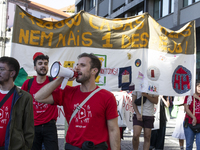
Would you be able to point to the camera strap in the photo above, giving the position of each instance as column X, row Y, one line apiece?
column 194, row 106
column 83, row 102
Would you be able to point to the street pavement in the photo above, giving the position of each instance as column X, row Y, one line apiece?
column 126, row 143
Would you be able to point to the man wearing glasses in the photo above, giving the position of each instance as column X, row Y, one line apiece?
column 16, row 109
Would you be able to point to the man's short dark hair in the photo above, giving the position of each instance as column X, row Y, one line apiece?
column 12, row 63
column 43, row 57
column 95, row 62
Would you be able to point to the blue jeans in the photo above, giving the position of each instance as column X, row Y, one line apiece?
column 190, row 135
column 46, row 134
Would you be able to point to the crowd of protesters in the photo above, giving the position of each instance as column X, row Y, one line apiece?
column 28, row 115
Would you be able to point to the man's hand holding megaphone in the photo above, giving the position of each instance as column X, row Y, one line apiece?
column 59, row 71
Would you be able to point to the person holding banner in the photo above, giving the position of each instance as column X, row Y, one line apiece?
column 45, row 115
column 90, row 111
column 179, row 130
column 143, row 118
column 192, row 118
column 16, row 109
column 158, row 135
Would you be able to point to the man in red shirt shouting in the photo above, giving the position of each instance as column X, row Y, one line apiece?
column 96, row 120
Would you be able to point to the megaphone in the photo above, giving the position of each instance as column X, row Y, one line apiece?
column 59, row 71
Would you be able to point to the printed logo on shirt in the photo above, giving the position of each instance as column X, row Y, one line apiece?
column 197, row 108
column 4, row 116
column 83, row 116
column 40, row 107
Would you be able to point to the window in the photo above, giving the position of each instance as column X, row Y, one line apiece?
column 100, row 1
column 157, row 9
column 118, row 8
column 140, row 9
column 91, row 4
column 188, row 2
column 137, row 10
column 172, row 6
column 163, row 8
column 79, row 7
column 121, row 16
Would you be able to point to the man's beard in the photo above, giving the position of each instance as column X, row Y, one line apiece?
column 83, row 79
column 4, row 81
column 41, row 74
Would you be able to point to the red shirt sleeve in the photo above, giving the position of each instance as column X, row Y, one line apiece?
column 111, row 111
column 185, row 101
column 58, row 95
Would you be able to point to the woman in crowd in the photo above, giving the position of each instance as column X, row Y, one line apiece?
column 179, row 131
column 192, row 118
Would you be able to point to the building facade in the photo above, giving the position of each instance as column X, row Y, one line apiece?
column 172, row 14
column 7, row 14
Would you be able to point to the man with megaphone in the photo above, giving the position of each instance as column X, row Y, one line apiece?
column 45, row 115
column 91, row 112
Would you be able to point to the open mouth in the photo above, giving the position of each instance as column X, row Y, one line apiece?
column 43, row 69
column 78, row 74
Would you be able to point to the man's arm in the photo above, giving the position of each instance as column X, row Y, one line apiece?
column 165, row 101
column 138, row 115
column 153, row 99
column 114, row 134
column 44, row 94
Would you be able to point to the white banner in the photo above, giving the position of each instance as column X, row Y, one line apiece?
column 136, row 52
column 125, row 109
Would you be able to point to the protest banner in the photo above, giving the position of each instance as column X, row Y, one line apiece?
column 135, row 52
column 125, row 109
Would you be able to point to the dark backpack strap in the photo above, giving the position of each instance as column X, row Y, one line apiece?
column 50, row 79
column 7, row 96
column 30, row 83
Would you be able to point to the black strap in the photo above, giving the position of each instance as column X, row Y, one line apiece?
column 2, row 148
column 31, row 81
column 50, row 78
column 7, row 96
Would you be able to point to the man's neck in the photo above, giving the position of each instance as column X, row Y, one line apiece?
column 7, row 87
column 88, row 87
column 40, row 79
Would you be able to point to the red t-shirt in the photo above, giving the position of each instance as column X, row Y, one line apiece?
column 90, row 123
column 197, row 110
column 43, row 113
column 4, row 117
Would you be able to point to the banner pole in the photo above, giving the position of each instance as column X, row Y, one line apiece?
column 142, row 106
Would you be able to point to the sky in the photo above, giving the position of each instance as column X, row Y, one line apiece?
column 57, row 4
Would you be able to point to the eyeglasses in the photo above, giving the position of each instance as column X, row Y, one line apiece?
column 3, row 69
